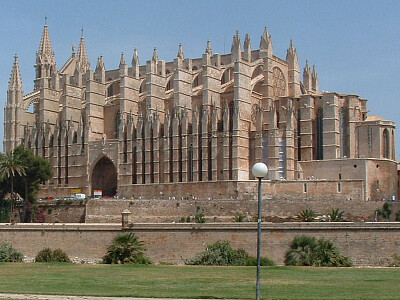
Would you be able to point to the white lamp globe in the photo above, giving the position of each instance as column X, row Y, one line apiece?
column 259, row 170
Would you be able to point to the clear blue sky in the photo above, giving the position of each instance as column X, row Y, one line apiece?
column 354, row 44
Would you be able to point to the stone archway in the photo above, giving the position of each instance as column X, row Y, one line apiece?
column 104, row 177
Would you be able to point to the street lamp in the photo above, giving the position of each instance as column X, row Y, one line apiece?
column 259, row 171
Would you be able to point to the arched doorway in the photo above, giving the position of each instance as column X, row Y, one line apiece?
column 104, row 177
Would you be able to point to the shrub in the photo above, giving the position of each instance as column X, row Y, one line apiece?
column 239, row 218
column 264, row 261
column 395, row 261
column 199, row 218
column 222, row 254
column 308, row 251
column 9, row 254
column 336, row 215
column 126, row 248
column 307, row 215
column 384, row 212
column 48, row 255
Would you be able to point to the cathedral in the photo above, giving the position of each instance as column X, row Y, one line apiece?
column 194, row 127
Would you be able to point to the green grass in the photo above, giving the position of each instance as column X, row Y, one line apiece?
column 200, row 282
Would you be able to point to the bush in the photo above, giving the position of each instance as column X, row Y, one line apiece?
column 384, row 212
column 126, row 248
column 9, row 254
column 48, row 255
column 336, row 215
column 307, row 215
column 308, row 251
column 222, row 254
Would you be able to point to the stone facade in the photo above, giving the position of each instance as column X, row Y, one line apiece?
column 206, row 120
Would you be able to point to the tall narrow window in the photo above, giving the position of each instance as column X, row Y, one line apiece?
column 344, row 132
column 320, row 128
column 386, row 144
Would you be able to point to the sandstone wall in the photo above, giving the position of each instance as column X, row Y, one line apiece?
column 172, row 210
column 366, row 243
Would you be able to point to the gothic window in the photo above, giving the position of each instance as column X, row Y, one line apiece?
column 117, row 123
column 278, row 82
column 143, row 88
column 227, row 76
column 196, row 81
column 320, row 128
column 257, row 72
column 344, row 132
column 75, row 138
column 282, row 158
column 386, row 144
column 298, row 135
column 392, row 142
column 170, row 84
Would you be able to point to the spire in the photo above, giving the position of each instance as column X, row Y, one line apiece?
column 307, row 68
column 123, row 67
column 45, row 53
column 135, row 58
column 180, row 52
column 122, row 61
column 315, row 80
column 15, row 82
column 236, row 49
column 247, row 48
column 82, row 55
column 291, row 52
column 45, row 60
column 266, row 41
column 135, row 64
column 208, row 49
column 307, row 81
column 100, row 73
column 155, row 55
column 100, row 63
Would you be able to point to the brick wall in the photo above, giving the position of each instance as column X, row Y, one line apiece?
column 366, row 243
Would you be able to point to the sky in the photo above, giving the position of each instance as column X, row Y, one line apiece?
column 353, row 44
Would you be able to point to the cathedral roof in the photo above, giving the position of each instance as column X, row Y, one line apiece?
column 374, row 118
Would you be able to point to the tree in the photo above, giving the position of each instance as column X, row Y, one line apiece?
column 126, row 248
column 11, row 165
column 308, row 251
column 36, row 171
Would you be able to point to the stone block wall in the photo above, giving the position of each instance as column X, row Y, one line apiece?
column 367, row 244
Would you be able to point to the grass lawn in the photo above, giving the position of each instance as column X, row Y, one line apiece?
column 199, row 282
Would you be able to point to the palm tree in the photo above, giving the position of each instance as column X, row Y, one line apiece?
column 10, row 166
column 126, row 248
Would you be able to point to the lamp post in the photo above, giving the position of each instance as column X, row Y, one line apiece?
column 259, row 171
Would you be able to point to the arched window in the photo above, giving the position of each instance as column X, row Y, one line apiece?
column 143, row 88
column 75, row 138
column 386, row 145
column 320, row 128
column 170, row 84
column 257, row 71
column 197, row 81
column 117, row 123
column 344, row 132
column 227, row 76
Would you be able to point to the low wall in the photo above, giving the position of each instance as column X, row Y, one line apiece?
column 365, row 243
column 172, row 210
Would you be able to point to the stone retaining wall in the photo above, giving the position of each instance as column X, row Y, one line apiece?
column 366, row 243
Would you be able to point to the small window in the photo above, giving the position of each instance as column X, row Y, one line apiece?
column 339, row 187
column 305, row 188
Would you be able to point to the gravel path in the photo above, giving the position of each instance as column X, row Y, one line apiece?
column 53, row 297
